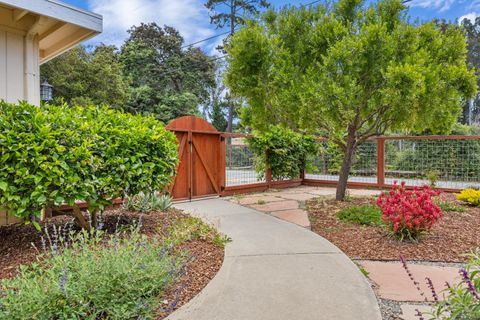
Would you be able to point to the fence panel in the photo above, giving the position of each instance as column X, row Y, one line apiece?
column 240, row 163
column 326, row 165
column 453, row 163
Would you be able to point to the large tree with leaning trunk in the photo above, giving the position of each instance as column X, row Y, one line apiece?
column 349, row 71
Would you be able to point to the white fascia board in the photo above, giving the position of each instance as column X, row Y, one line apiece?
column 60, row 11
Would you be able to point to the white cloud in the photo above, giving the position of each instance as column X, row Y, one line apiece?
column 442, row 5
column 470, row 16
column 190, row 17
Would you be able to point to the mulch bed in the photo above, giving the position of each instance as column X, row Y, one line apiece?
column 454, row 235
column 20, row 244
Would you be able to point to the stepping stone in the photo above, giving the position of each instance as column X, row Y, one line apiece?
column 323, row 191
column 297, row 216
column 276, row 206
column 409, row 311
column 364, row 192
column 297, row 196
column 249, row 200
column 394, row 283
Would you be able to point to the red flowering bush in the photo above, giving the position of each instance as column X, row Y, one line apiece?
column 409, row 213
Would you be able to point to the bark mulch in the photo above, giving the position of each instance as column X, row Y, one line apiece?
column 20, row 244
column 455, row 234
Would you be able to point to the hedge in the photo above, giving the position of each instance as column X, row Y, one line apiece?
column 53, row 155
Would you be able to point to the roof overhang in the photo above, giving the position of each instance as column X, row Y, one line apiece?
column 58, row 26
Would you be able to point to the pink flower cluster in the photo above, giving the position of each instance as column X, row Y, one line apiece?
column 413, row 211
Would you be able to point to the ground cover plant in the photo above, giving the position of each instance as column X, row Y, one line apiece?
column 114, row 273
column 365, row 215
column 53, row 155
column 455, row 234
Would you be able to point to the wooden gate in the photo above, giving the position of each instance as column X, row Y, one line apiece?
column 201, row 172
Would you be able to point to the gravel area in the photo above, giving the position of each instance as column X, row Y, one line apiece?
column 455, row 234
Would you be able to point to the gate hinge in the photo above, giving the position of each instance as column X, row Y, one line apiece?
column 222, row 188
column 222, row 139
column 189, row 141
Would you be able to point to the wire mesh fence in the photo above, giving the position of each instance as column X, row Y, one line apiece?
column 326, row 165
column 240, row 164
column 449, row 163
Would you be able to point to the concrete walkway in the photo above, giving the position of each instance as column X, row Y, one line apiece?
column 275, row 270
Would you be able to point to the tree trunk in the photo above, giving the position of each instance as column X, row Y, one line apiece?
column 346, row 166
column 231, row 106
column 79, row 218
column 94, row 218
column 231, row 109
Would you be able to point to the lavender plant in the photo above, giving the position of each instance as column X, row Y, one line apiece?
column 92, row 276
column 458, row 302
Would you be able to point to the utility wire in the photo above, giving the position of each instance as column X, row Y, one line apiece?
column 227, row 32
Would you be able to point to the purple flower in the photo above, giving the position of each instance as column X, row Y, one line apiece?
column 469, row 283
column 432, row 289
column 419, row 315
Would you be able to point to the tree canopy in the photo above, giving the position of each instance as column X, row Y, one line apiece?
column 349, row 71
column 153, row 73
column 166, row 79
column 82, row 76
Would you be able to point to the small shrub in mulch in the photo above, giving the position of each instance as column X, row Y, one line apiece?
column 365, row 215
column 454, row 235
column 130, row 264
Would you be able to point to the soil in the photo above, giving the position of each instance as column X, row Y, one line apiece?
column 21, row 244
column 453, row 236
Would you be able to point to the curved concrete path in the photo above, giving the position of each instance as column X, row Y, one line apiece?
column 275, row 270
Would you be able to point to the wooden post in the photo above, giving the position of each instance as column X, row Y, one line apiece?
column 268, row 171
column 381, row 162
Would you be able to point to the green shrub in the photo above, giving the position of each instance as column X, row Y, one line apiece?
column 123, row 279
column 286, row 152
column 462, row 301
column 59, row 154
column 366, row 215
column 148, row 202
column 448, row 206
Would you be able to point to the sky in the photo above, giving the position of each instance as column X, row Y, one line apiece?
column 192, row 18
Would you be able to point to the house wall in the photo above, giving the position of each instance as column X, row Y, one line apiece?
column 19, row 67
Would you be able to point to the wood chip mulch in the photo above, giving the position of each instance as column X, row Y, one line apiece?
column 20, row 244
column 455, row 234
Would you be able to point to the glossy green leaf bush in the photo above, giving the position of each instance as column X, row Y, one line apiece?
column 285, row 152
column 59, row 154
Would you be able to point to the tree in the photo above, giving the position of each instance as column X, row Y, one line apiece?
column 472, row 31
column 165, row 79
column 235, row 15
column 349, row 72
column 81, row 76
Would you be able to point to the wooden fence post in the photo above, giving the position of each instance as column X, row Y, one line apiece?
column 381, row 162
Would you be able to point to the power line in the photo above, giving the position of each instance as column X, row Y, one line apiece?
column 206, row 39
column 227, row 32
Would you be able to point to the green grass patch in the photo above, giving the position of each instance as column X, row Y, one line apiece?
column 365, row 215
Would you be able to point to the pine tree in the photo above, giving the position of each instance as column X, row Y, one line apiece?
column 234, row 16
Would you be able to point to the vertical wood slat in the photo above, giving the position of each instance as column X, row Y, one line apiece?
column 3, row 64
column 15, row 71
column 381, row 162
